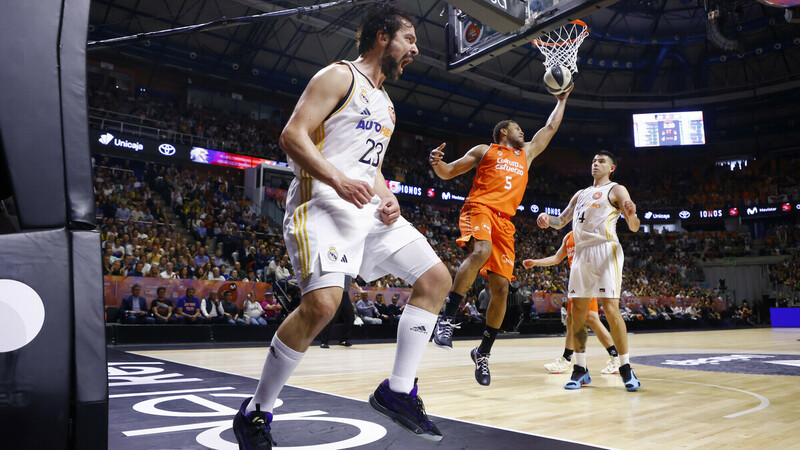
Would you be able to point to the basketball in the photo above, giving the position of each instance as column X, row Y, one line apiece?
column 557, row 79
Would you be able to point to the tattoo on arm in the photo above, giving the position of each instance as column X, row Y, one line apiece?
column 564, row 218
column 580, row 337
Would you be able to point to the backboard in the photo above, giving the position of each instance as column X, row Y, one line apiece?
column 469, row 42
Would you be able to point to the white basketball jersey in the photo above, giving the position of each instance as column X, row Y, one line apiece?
column 355, row 136
column 595, row 219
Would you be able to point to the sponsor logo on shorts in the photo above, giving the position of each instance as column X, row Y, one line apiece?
column 506, row 260
column 572, row 291
column 753, row 363
column 333, row 255
column 603, row 290
column 486, row 227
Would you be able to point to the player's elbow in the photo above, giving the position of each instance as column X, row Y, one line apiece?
column 287, row 139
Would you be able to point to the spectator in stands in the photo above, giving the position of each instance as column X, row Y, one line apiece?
column 215, row 274
column 134, row 308
column 396, row 309
column 231, row 310
column 252, row 311
column 168, row 273
column 484, row 297
column 383, row 310
column 261, row 261
column 367, row 310
column 273, row 312
column 161, row 308
column 212, row 310
column 116, row 269
column 471, row 311
column 188, row 307
column 201, row 258
column 137, row 270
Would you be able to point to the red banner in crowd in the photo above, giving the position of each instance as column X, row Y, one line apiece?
column 551, row 303
column 115, row 288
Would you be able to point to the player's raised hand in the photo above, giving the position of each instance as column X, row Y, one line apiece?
column 389, row 210
column 436, row 155
column 543, row 220
column 565, row 94
column 356, row 192
column 528, row 263
column 629, row 207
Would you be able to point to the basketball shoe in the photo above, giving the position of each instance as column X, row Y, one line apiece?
column 558, row 366
column 629, row 378
column 252, row 430
column 481, row 360
column 405, row 410
column 580, row 376
column 612, row 366
column 443, row 334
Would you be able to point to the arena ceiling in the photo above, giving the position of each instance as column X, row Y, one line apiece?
column 639, row 54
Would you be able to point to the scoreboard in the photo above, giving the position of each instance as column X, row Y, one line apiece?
column 670, row 128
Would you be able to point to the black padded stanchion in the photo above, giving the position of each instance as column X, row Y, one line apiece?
column 53, row 388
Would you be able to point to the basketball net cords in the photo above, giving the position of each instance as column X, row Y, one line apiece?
column 560, row 46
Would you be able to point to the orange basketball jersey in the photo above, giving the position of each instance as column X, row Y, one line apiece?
column 500, row 179
column 569, row 241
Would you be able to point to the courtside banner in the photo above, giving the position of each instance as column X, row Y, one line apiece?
column 551, row 303
column 117, row 287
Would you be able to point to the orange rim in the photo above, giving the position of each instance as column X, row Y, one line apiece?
column 571, row 41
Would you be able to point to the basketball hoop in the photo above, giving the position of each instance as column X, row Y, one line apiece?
column 560, row 46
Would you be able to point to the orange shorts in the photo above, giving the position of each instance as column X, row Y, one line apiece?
column 592, row 305
column 479, row 222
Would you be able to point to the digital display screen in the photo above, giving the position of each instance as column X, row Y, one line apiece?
column 669, row 128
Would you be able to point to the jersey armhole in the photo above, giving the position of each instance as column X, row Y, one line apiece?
column 608, row 197
column 347, row 97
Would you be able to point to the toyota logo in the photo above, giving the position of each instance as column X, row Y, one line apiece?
column 534, row 208
column 166, row 149
column 684, row 214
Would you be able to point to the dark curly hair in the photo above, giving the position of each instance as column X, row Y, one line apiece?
column 380, row 17
column 502, row 125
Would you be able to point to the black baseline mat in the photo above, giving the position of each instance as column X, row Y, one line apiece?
column 155, row 404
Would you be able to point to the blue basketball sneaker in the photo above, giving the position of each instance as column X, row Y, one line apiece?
column 252, row 430
column 405, row 410
column 580, row 376
column 632, row 383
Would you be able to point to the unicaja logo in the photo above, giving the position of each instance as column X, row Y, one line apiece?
column 106, row 138
column 166, row 149
column 648, row 215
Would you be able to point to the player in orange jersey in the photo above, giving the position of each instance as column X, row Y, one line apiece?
column 567, row 250
column 486, row 229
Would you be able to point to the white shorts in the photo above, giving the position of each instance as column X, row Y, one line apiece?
column 596, row 271
column 327, row 238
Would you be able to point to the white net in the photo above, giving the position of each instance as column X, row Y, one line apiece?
column 560, row 46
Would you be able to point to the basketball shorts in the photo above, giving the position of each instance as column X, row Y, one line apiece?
column 596, row 271
column 327, row 238
column 592, row 305
column 480, row 222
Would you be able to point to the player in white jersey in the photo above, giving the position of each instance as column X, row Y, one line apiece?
column 597, row 267
column 339, row 205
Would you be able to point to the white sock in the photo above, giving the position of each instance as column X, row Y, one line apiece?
column 280, row 363
column 413, row 332
column 624, row 359
column 580, row 359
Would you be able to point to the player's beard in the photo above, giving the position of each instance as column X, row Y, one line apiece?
column 516, row 143
column 390, row 67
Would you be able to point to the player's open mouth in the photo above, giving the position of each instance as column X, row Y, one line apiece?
column 404, row 63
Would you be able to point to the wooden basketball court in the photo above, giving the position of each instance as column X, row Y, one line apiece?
column 676, row 407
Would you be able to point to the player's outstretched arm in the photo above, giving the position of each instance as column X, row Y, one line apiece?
column 551, row 260
column 464, row 164
column 546, row 220
column 620, row 198
column 328, row 87
column 546, row 133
